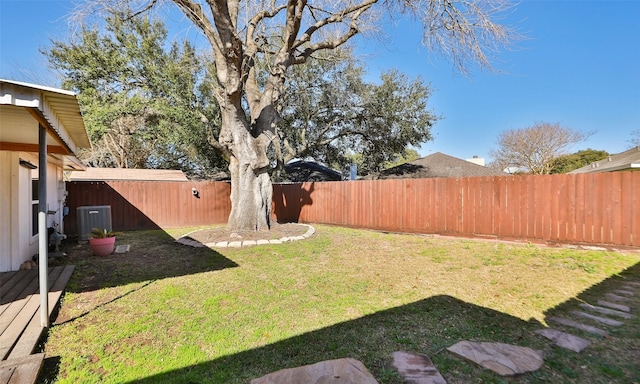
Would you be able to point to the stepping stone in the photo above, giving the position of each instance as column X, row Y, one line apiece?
column 619, row 307
column 599, row 319
column 606, row 311
column 247, row 243
column 564, row 340
column 614, row 297
column 123, row 248
column 624, row 292
column 341, row 371
column 263, row 242
column 234, row 244
column 503, row 359
column 580, row 326
column 416, row 368
column 190, row 242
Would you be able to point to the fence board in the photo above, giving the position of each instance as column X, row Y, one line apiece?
column 626, row 205
column 616, row 210
column 635, row 211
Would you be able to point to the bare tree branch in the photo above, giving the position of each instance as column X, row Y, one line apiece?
column 534, row 148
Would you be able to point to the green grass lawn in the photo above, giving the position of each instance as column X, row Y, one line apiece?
column 167, row 313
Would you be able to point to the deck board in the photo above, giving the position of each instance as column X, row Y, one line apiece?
column 17, row 286
column 6, row 277
column 20, row 327
column 24, row 370
column 29, row 338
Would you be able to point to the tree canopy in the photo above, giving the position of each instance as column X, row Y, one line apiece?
column 534, row 148
column 328, row 111
column 147, row 102
column 568, row 163
column 331, row 114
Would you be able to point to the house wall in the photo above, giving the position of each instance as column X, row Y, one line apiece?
column 17, row 245
column 10, row 207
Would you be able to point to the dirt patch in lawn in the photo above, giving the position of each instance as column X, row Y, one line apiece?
column 277, row 231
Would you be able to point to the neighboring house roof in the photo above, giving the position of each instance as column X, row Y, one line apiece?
column 129, row 174
column 624, row 161
column 301, row 171
column 436, row 165
column 24, row 107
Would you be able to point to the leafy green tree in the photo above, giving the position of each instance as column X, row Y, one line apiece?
column 329, row 113
column 409, row 154
column 146, row 103
column 401, row 158
column 282, row 34
column 568, row 163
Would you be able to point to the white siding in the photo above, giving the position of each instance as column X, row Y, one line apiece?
column 17, row 244
column 9, row 209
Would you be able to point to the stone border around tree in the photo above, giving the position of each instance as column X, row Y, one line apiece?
column 185, row 240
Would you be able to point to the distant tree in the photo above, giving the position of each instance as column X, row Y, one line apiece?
column 146, row 103
column 329, row 111
column 534, row 148
column 567, row 163
column 635, row 138
column 397, row 159
column 401, row 158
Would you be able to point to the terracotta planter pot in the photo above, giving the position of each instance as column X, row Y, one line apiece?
column 103, row 246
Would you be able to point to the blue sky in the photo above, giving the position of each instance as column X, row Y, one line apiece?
column 579, row 67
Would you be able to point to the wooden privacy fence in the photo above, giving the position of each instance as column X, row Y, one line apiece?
column 601, row 208
column 139, row 205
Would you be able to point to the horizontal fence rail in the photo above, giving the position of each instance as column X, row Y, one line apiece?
column 600, row 208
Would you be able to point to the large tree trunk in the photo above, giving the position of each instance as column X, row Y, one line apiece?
column 251, row 195
column 251, row 189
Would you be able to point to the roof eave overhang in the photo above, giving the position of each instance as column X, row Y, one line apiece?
column 55, row 109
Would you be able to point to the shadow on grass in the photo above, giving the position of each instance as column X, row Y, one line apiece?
column 429, row 326
column 426, row 326
column 153, row 255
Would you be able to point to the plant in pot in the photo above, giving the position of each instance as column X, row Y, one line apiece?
column 102, row 241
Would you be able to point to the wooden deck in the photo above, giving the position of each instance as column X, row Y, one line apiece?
column 20, row 327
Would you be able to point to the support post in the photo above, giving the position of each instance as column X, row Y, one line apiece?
column 42, row 227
